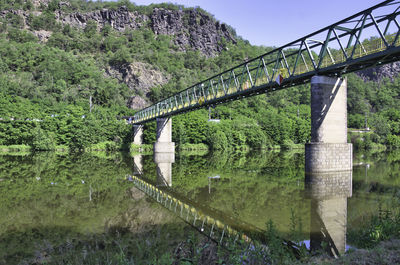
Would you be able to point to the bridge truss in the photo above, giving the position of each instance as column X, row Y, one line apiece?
column 366, row 39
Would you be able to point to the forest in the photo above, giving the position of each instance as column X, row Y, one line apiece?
column 55, row 95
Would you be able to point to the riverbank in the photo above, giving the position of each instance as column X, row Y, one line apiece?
column 110, row 146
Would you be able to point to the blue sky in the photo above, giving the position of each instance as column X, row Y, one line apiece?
column 272, row 22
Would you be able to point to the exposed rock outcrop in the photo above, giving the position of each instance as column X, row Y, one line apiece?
column 120, row 19
column 191, row 29
column 140, row 78
column 376, row 74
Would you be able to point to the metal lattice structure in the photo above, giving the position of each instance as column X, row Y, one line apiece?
column 210, row 226
column 366, row 39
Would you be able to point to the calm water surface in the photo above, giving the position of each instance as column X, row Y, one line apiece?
column 48, row 193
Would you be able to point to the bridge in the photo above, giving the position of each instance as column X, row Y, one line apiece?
column 366, row 39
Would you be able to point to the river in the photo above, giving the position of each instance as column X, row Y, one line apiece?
column 49, row 198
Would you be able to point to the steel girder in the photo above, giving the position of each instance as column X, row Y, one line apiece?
column 368, row 38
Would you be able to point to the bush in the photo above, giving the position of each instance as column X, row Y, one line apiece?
column 218, row 141
column 42, row 140
column 393, row 141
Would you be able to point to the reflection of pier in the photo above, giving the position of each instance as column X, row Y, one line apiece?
column 329, row 192
column 164, row 168
column 137, row 165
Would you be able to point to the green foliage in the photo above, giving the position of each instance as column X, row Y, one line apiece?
column 42, row 140
column 218, row 140
column 382, row 226
column 393, row 141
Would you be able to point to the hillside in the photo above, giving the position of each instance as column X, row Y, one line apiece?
column 68, row 68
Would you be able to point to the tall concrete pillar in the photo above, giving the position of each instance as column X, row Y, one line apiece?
column 137, row 134
column 328, row 164
column 164, row 168
column 328, row 150
column 164, row 142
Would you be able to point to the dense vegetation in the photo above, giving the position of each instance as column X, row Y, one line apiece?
column 55, row 92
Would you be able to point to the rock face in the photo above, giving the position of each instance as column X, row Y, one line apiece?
column 376, row 74
column 140, row 78
column 191, row 28
column 120, row 19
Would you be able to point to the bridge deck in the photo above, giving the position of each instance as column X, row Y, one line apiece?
column 368, row 38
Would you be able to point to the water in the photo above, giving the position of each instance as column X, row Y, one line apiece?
column 49, row 197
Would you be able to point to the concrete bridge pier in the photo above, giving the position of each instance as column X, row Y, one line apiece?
column 328, row 164
column 328, row 150
column 164, row 152
column 164, row 142
column 137, row 134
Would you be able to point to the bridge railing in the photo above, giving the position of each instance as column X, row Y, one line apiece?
column 348, row 45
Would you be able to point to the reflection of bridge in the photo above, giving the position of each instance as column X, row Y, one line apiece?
column 327, row 190
column 210, row 222
column 205, row 223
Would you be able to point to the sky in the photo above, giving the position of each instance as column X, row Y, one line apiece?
column 275, row 22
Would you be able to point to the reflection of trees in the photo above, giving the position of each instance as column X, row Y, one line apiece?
column 49, row 187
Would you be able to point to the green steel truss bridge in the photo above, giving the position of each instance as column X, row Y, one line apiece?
column 366, row 39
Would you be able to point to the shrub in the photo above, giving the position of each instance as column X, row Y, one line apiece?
column 42, row 140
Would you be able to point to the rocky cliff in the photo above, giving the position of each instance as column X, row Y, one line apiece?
column 140, row 77
column 191, row 29
column 376, row 74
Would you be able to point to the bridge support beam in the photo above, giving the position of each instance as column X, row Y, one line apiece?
column 137, row 134
column 164, row 142
column 328, row 164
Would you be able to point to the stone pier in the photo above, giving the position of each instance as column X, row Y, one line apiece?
column 328, row 150
column 328, row 164
column 164, row 152
column 137, row 134
column 164, row 142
